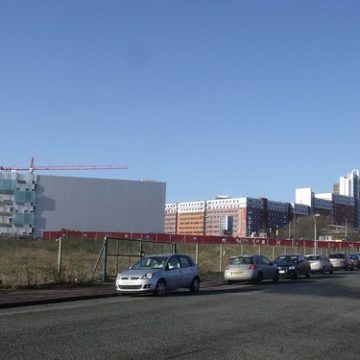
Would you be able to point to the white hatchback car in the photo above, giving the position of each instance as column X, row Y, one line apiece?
column 158, row 274
column 320, row 263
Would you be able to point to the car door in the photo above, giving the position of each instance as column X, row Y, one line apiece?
column 173, row 273
column 187, row 271
column 268, row 268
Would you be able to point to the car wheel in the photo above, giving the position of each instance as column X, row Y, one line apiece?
column 308, row 274
column 296, row 274
column 195, row 285
column 160, row 289
column 331, row 271
column 259, row 278
column 276, row 277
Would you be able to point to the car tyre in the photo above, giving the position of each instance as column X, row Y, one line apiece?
column 195, row 285
column 308, row 274
column 160, row 289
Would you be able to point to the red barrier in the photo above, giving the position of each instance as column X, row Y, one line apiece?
column 200, row 239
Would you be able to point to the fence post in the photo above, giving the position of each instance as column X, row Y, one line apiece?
column 197, row 253
column 221, row 257
column 60, row 254
column 105, row 259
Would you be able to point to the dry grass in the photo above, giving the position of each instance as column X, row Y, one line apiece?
column 34, row 263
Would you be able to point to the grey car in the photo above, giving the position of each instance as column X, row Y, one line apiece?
column 254, row 268
column 158, row 274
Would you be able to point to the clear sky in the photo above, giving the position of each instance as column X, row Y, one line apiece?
column 243, row 98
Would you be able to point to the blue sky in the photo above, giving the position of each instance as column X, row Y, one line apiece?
column 243, row 98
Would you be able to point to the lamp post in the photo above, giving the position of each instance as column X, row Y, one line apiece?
column 315, row 237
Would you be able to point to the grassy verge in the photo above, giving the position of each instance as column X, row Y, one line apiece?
column 34, row 263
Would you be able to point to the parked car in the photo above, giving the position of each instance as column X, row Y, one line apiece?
column 293, row 266
column 341, row 261
column 158, row 274
column 355, row 258
column 254, row 268
column 320, row 263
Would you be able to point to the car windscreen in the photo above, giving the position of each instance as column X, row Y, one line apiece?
column 336, row 256
column 313, row 257
column 151, row 262
column 286, row 258
column 241, row 260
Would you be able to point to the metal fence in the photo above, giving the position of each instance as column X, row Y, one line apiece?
column 118, row 254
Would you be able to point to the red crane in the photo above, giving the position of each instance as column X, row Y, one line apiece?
column 32, row 167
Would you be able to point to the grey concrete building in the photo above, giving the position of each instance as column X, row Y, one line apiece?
column 84, row 204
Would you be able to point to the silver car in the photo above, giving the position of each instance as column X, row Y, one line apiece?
column 320, row 263
column 250, row 268
column 158, row 274
column 341, row 261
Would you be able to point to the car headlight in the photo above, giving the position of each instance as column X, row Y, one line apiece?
column 148, row 275
column 291, row 267
column 118, row 276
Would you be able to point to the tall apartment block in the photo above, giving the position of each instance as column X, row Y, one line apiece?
column 349, row 185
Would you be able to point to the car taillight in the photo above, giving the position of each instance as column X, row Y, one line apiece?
column 252, row 267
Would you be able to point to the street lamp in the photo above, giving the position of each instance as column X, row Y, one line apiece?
column 315, row 238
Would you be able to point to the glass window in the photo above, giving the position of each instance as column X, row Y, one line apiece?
column 185, row 261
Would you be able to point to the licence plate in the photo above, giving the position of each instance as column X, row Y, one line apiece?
column 281, row 271
column 237, row 273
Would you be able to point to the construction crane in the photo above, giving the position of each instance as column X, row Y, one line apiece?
column 32, row 167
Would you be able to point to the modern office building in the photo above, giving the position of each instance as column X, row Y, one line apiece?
column 31, row 204
column 171, row 218
column 227, row 216
column 191, row 218
column 343, row 208
column 340, row 208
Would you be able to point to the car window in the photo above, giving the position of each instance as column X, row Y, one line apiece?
column 185, row 261
column 265, row 260
column 174, row 263
column 240, row 260
column 151, row 262
column 287, row 258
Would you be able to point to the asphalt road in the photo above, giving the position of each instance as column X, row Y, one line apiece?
column 317, row 318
